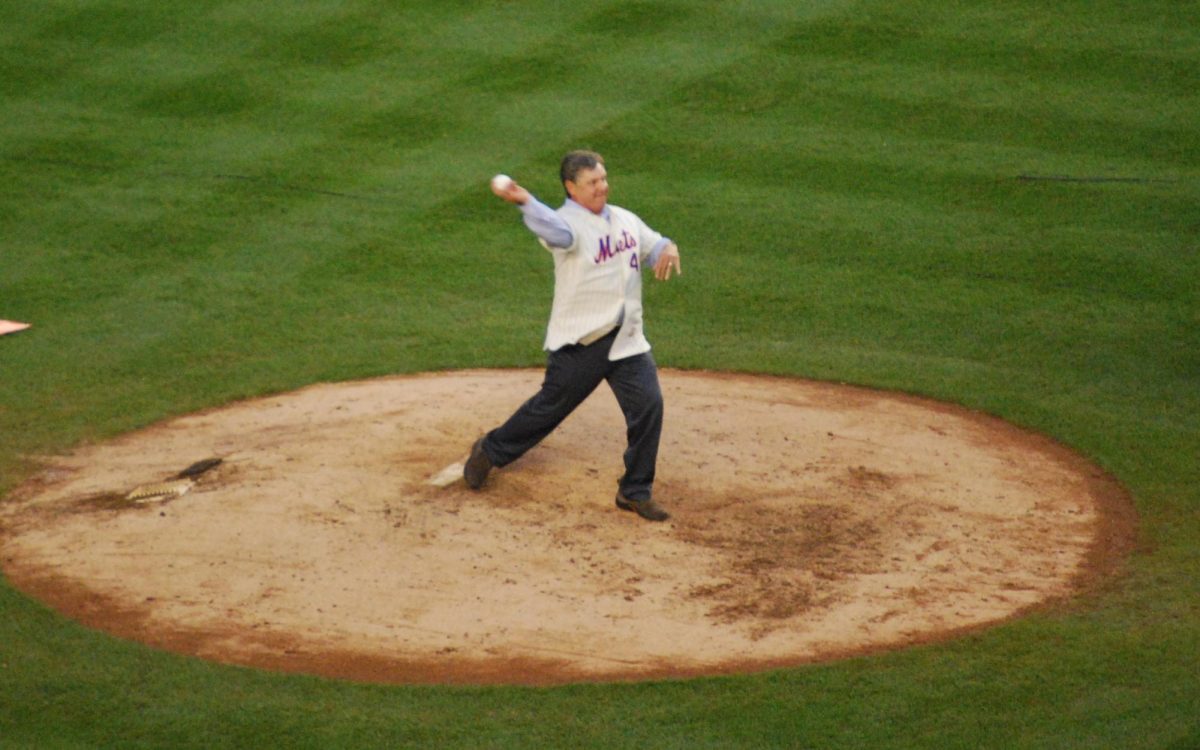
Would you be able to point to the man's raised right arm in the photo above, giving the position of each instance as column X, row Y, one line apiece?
column 540, row 218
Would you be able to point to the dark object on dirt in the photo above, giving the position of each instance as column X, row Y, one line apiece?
column 198, row 468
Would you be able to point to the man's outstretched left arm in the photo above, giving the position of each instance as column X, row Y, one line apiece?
column 665, row 259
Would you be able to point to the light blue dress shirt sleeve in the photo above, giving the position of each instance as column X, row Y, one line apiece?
column 546, row 223
column 657, row 251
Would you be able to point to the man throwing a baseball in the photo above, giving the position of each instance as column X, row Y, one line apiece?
column 595, row 330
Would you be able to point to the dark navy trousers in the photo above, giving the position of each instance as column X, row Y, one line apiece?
column 572, row 373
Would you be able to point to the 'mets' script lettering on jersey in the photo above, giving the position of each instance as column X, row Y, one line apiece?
column 607, row 252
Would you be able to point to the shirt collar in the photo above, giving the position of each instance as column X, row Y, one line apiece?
column 604, row 212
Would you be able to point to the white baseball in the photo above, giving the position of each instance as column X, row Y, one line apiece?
column 501, row 182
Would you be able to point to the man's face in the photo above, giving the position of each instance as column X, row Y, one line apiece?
column 590, row 188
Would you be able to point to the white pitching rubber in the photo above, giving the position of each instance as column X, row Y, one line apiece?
column 448, row 475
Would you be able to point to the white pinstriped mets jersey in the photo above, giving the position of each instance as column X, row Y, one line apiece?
column 597, row 277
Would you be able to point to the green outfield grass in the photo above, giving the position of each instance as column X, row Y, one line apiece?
column 996, row 204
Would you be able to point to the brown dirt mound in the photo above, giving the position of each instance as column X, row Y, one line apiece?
column 810, row 521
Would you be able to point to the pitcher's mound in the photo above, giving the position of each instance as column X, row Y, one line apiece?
column 809, row 521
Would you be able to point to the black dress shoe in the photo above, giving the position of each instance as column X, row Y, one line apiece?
column 476, row 469
column 647, row 509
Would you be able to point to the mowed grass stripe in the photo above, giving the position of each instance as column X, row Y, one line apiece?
column 482, row 111
column 934, row 207
column 932, row 178
column 925, row 99
column 1037, row 47
column 543, row 97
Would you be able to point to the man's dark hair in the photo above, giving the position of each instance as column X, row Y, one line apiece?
column 575, row 162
